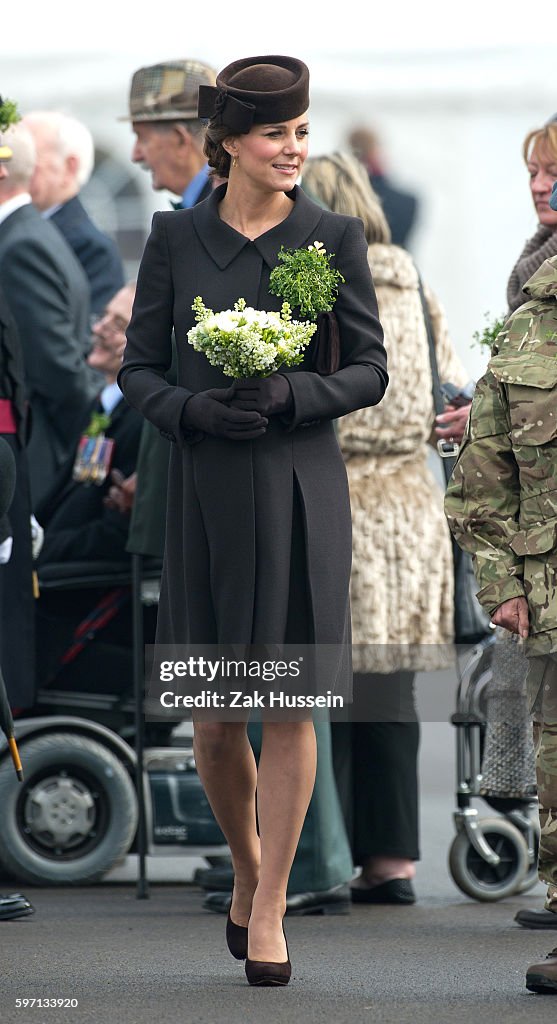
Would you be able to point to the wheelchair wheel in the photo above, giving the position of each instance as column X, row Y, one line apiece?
column 74, row 816
column 486, row 882
column 532, row 877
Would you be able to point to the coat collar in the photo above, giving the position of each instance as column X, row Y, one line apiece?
column 224, row 244
column 70, row 212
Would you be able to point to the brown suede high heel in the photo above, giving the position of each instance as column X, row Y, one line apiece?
column 261, row 972
column 236, row 939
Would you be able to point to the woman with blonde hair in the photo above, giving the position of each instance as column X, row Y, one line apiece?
column 402, row 571
column 539, row 150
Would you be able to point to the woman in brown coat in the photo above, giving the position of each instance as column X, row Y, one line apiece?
column 258, row 542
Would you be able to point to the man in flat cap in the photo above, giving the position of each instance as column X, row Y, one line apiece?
column 169, row 143
column 169, row 134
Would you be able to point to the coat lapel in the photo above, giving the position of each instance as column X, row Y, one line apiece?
column 69, row 214
column 224, row 244
column 221, row 241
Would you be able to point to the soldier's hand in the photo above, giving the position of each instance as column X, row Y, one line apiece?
column 513, row 615
column 450, row 425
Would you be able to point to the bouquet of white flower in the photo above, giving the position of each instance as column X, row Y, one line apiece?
column 247, row 342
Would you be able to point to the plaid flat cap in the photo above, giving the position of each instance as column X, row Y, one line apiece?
column 168, row 92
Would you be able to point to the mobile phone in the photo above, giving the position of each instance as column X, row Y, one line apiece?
column 454, row 395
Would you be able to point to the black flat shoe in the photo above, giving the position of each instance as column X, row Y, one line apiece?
column 536, row 918
column 329, row 901
column 236, row 939
column 396, row 890
column 263, row 973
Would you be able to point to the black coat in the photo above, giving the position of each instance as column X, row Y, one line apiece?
column 47, row 293
column 78, row 526
column 229, row 519
column 96, row 252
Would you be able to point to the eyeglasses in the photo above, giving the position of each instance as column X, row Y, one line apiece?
column 108, row 324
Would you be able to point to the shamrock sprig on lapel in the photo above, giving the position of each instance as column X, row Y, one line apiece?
column 98, row 424
column 306, row 279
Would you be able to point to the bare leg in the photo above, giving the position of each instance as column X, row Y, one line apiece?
column 284, row 786
column 227, row 769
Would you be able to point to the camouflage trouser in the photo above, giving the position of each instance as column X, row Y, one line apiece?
column 542, row 687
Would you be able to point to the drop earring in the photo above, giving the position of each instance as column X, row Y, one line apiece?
column 234, row 161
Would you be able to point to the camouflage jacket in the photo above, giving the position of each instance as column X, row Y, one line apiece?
column 501, row 502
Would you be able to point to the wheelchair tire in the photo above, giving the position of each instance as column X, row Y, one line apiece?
column 74, row 816
column 532, row 877
column 475, row 877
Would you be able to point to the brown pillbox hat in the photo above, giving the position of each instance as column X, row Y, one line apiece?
column 168, row 91
column 256, row 90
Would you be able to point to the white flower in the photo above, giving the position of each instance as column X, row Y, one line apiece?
column 247, row 342
column 319, row 248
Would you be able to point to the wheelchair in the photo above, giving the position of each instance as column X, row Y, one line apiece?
column 99, row 782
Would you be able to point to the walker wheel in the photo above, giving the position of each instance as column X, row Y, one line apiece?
column 486, row 882
column 532, row 878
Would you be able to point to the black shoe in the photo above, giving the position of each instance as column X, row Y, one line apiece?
column 536, row 918
column 236, row 938
column 396, row 890
column 330, row 901
column 259, row 972
column 13, row 906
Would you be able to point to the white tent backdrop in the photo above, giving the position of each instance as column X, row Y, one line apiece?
column 452, row 123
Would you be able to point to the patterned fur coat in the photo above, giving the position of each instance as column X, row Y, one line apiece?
column 402, row 577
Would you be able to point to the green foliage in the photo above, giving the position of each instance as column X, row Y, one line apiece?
column 306, row 279
column 99, row 422
column 486, row 338
column 8, row 114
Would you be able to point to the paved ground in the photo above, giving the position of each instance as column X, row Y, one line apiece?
column 163, row 960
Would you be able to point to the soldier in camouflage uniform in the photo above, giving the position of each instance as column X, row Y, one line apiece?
column 501, row 505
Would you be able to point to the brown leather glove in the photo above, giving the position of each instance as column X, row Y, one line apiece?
column 269, row 396
column 208, row 412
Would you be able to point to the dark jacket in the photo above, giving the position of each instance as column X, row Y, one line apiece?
column 48, row 296
column 96, row 252
column 17, row 603
column 12, row 373
column 229, row 520
column 400, row 208
column 78, row 526
column 148, row 517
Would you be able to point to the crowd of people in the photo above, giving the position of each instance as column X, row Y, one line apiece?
column 294, row 509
